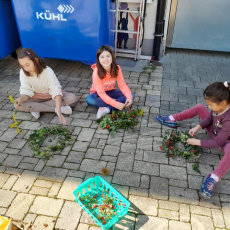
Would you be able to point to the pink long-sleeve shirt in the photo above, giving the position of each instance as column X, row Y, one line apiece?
column 109, row 83
column 220, row 128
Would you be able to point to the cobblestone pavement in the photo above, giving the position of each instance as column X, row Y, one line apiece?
column 163, row 192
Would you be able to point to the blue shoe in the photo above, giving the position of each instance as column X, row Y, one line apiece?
column 164, row 120
column 207, row 187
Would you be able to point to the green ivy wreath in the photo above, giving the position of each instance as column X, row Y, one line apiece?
column 175, row 144
column 38, row 137
column 124, row 119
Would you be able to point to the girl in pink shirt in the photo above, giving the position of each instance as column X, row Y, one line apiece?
column 103, row 93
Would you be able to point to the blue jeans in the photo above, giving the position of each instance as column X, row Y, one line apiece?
column 94, row 100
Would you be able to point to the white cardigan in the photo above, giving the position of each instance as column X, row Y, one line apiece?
column 44, row 83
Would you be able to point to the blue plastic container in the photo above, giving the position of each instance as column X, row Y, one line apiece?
column 90, row 195
column 9, row 38
column 71, row 30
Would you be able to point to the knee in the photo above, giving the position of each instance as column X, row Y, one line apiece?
column 70, row 99
column 90, row 100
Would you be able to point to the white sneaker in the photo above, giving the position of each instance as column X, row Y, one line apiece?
column 36, row 115
column 102, row 111
column 65, row 110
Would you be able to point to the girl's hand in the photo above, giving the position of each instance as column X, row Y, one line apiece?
column 128, row 102
column 194, row 130
column 121, row 106
column 193, row 141
column 61, row 118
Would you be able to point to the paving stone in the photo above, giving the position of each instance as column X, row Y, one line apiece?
column 177, row 161
column 40, row 165
column 168, row 205
column 10, row 182
column 80, row 146
column 75, row 157
column 93, row 153
column 183, row 195
column 173, row 172
column 17, row 143
column 70, row 214
column 11, row 151
column 226, row 212
column 56, row 174
column 195, row 182
column 83, row 227
column 143, row 205
column 3, row 179
column 145, row 143
column 124, row 190
column 26, row 166
column 20, row 206
column 175, row 225
column 44, row 222
column 157, row 157
column 30, row 125
column 30, row 160
column 201, row 222
column 3, row 145
column 71, row 166
column 30, row 218
column 125, row 162
column 200, row 210
column 139, row 154
column 218, row 219
column 111, row 150
column 3, row 211
column 128, row 147
column 145, row 180
column 81, row 123
column 126, row 178
column 54, row 190
column 158, row 188
column 46, row 206
column 86, row 134
column 138, row 192
column 109, row 158
column 6, row 198
column 101, row 144
column 95, row 166
column 144, row 222
column 43, row 183
column 25, row 181
column 3, row 156
column 146, row 168
column 12, row 161
column 178, row 183
column 86, row 219
column 126, row 223
column 223, row 187
column 70, row 184
column 184, row 213
column 39, row 191
column 9, row 135
column 74, row 173
column 173, row 215
column 56, row 161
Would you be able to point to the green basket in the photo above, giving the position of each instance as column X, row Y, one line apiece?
column 96, row 189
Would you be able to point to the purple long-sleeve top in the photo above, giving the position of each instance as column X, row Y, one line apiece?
column 220, row 129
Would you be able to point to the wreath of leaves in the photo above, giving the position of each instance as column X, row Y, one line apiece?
column 37, row 138
column 175, row 144
column 124, row 119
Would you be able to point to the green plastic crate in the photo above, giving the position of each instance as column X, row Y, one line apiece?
column 98, row 187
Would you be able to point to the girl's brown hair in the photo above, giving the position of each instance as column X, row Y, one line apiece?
column 39, row 64
column 101, row 70
column 217, row 92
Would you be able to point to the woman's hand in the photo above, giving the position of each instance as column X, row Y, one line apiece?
column 128, row 102
column 61, row 117
column 121, row 106
column 193, row 141
column 21, row 100
column 194, row 130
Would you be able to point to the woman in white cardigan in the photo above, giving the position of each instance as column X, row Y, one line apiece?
column 40, row 90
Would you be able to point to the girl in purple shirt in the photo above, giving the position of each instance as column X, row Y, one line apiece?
column 216, row 122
